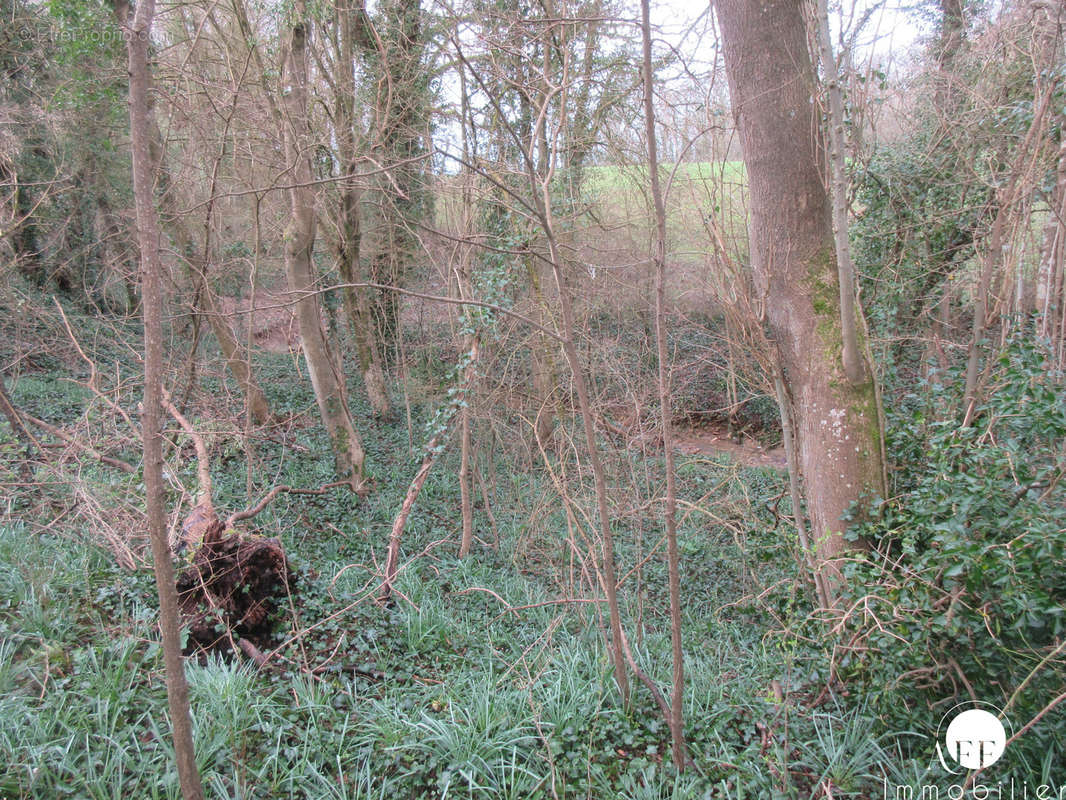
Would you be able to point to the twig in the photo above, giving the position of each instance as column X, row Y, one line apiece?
column 91, row 383
column 508, row 609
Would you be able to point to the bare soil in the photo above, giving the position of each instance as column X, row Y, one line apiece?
column 712, row 440
column 272, row 319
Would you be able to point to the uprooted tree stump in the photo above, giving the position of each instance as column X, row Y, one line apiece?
column 234, row 582
column 232, row 588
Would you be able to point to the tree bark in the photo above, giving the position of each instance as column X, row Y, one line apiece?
column 326, row 377
column 464, row 285
column 1050, row 19
column 854, row 364
column 401, row 111
column 137, row 35
column 838, row 430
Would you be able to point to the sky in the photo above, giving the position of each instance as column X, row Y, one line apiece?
column 887, row 34
column 891, row 27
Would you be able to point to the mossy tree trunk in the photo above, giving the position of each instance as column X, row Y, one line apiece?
column 326, row 375
column 838, row 431
column 349, row 230
column 396, row 57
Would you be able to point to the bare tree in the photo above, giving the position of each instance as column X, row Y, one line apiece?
column 353, row 30
column 326, row 376
column 137, row 35
column 677, row 719
column 197, row 257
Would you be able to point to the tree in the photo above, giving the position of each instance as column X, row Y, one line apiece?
column 772, row 83
column 326, row 376
column 352, row 26
column 395, row 58
column 198, row 257
column 676, row 717
column 137, row 34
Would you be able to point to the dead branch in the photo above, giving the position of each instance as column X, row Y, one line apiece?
column 433, row 451
column 270, row 496
column 73, row 442
column 15, row 420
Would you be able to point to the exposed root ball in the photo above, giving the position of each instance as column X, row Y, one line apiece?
column 233, row 586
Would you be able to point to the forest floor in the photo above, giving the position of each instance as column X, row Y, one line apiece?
column 270, row 316
column 488, row 677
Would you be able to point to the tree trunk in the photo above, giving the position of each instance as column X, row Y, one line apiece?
column 326, row 377
column 951, row 37
column 23, row 232
column 1049, row 19
column 838, row 432
column 1017, row 184
column 349, row 234
column 152, row 420
column 356, row 305
column 607, row 576
column 401, row 112
column 464, row 285
column 542, row 361
column 676, row 720
column 854, row 364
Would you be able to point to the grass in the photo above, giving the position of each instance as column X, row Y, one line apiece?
column 474, row 704
column 697, row 192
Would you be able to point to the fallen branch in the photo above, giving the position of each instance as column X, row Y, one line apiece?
column 269, row 497
column 73, row 442
column 433, row 451
column 202, row 524
column 14, row 418
column 253, row 653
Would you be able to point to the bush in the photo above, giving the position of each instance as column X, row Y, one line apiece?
column 965, row 592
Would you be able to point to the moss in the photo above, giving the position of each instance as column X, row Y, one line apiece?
column 821, row 282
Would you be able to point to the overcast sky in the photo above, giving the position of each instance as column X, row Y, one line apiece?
column 888, row 33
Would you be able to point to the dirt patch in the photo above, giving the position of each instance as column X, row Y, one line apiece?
column 271, row 316
column 712, row 440
column 707, row 438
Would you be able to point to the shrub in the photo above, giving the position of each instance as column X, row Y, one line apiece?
column 963, row 595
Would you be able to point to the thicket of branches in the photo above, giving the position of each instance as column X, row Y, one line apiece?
column 444, row 212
